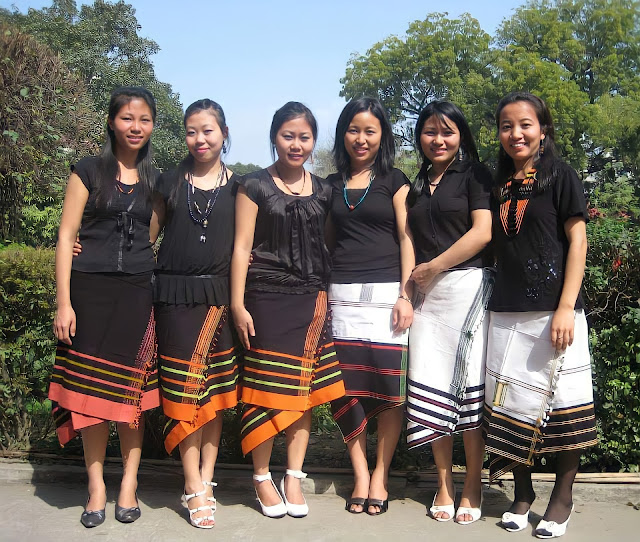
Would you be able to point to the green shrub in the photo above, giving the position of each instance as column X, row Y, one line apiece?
column 27, row 303
column 612, row 292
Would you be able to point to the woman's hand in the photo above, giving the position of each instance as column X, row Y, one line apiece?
column 401, row 315
column 562, row 325
column 244, row 325
column 424, row 274
column 77, row 247
column 64, row 324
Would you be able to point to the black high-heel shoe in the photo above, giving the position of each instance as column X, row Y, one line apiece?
column 92, row 518
column 127, row 515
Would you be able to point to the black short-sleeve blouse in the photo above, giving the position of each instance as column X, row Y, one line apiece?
column 367, row 247
column 439, row 220
column 530, row 243
column 114, row 238
column 188, row 270
column 289, row 251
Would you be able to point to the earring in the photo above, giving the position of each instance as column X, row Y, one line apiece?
column 541, row 150
column 224, row 147
column 460, row 154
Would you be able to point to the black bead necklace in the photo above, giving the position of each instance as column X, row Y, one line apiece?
column 203, row 216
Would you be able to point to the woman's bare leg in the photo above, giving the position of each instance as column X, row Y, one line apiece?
column 442, row 449
column 389, row 428
column 94, row 442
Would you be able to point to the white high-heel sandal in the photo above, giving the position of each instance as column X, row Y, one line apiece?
column 448, row 509
column 274, row 511
column 294, row 510
column 551, row 529
column 475, row 513
column 515, row 522
column 198, row 522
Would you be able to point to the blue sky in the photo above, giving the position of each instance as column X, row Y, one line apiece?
column 252, row 56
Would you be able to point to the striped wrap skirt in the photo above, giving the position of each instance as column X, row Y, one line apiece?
column 539, row 400
column 291, row 365
column 109, row 372
column 373, row 358
column 447, row 346
column 198, row 367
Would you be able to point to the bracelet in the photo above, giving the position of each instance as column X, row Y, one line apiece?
column 402, row 296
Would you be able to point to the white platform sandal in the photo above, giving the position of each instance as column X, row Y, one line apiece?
column 294, row 510
column 277, row 510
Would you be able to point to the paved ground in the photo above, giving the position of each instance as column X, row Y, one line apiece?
column 44, row 503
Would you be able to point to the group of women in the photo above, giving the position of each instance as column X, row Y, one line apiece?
column 322, row 280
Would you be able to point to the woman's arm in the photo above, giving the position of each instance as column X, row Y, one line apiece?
column 75, row 199
column 403, row 310
column 246, row 215
column 330, row 234
column 470, row 244
column 562, row 324
column 157, row 217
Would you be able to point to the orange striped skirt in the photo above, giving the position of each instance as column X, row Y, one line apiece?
column 291, row 366
column 109, row 371
column 197, row 359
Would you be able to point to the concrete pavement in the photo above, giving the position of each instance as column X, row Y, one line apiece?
column 44, row 503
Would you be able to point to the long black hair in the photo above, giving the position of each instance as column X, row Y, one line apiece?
column 186, row 164
column 290, row 111
column 109, row 170
column 387, row 151
column 445, row 112
column 546, row 164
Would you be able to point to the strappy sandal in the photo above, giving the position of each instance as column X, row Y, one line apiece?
column 198, row 522
column 212, row 499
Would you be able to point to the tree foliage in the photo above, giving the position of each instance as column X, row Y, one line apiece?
column 438, row 58
column 47, row 121
column 242, row 169
column 100, row 43
column 581, row 56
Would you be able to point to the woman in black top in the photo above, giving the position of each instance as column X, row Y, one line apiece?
column 450, row 220
column 538, row 385
column 290, row 365
column 371, row 308
column 105, row 360
column 196, row 346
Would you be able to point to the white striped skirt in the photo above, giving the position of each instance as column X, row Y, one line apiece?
column 447, row 344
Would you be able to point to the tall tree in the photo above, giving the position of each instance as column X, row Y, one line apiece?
column 438, row 58
column 47, row 121
column 100, row 43
column 597, row 42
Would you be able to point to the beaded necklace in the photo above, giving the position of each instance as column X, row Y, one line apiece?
column 120, row 184
column 304, row 181
column 344, row 191
column 514, row 198
column 203, row 217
